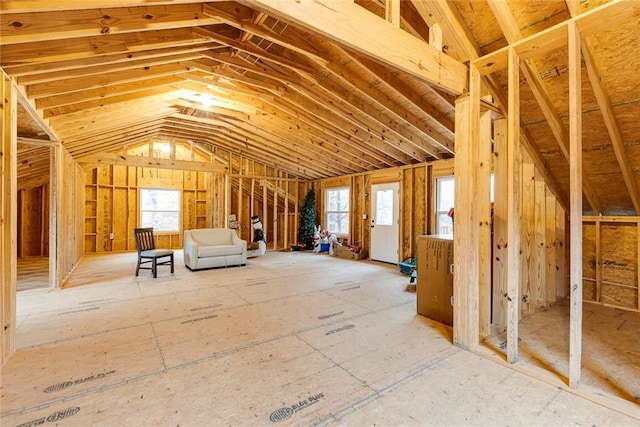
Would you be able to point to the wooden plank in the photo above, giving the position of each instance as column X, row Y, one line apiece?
column 420, row 191
column 464, row 259
column 132, row 217
column 8, row 209
column 23, row 6
column 551, row 248
column 598, row 248
column 119, row 229
column 60, row 25
column 500, row 167
column 150, row 162
column 466, row 226
column 407, row 200
column 345, row 22
column 485, row 221
column 561, row 251
column 540, row 243
column 575, row 167
column 513, row 190
column 527, row 236
column 80, row 48
column 265, row 209
column 275, row 217
column 55, row 180
column 392, row 12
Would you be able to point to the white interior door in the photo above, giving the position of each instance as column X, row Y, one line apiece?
column 385, row 224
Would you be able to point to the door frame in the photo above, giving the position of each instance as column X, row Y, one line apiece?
column 396, row 213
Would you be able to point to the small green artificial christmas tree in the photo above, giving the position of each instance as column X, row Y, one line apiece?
column 307, row 227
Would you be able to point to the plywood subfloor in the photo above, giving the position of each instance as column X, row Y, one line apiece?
column 610, row 347
column 290, row 339
column 33, row 273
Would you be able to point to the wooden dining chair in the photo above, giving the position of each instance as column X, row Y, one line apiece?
column 147, row 252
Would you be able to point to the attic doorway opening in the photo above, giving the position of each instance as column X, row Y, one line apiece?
column 33, row 217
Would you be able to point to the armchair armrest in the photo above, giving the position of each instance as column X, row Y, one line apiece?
column 236, row 240
column 190, row 250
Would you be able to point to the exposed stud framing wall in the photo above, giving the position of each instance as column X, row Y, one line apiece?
column 8, row 209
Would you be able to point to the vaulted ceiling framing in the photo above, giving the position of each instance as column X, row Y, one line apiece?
column 321, row 88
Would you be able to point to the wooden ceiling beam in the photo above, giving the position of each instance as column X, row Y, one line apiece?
column 440, row 142
column 220, row 88
column 297, row 66
column 457, row 37
column 256, row 150
column 271, row 155
column 98, row 71
column 369, row 101
column 87, row 134
column 103, row 93
column 29, row 107
column 293, row 44
column 67, row 24
column 215, row 111
column 262, row 83
column 96, row 62
column 262, row 133
column 151, row 162
column 380, row 153
column 78, row 87
column 330, row 146
column 116, row 143
column 37, row 142
column 257, row 68
column 22, row 6
column 138, row 107
column 103, row 97
column 356, row 126
column 297, row 134
column 232, row 101
column 144, row 126
column 441, row 121
column 345, row 22
column 78, row 48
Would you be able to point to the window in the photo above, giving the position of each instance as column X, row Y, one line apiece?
column 445, row 190
column 384, row 207
column 160, row 209
column 337, row 202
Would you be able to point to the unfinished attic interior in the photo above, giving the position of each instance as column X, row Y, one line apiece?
column 520, row 115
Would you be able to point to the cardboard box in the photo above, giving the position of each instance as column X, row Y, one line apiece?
column 434, row 293
column 345, row 252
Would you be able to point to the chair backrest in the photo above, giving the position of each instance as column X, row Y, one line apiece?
column 144, row 239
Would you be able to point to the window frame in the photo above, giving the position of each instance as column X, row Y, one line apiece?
column 347, row 212
column 438, row 213
column 141, row 210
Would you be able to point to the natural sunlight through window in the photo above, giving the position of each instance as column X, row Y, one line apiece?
column 337, row 202
column 160, row 209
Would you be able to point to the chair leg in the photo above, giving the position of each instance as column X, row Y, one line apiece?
column 154, row 268
column 138, row 267
column 171, row 263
